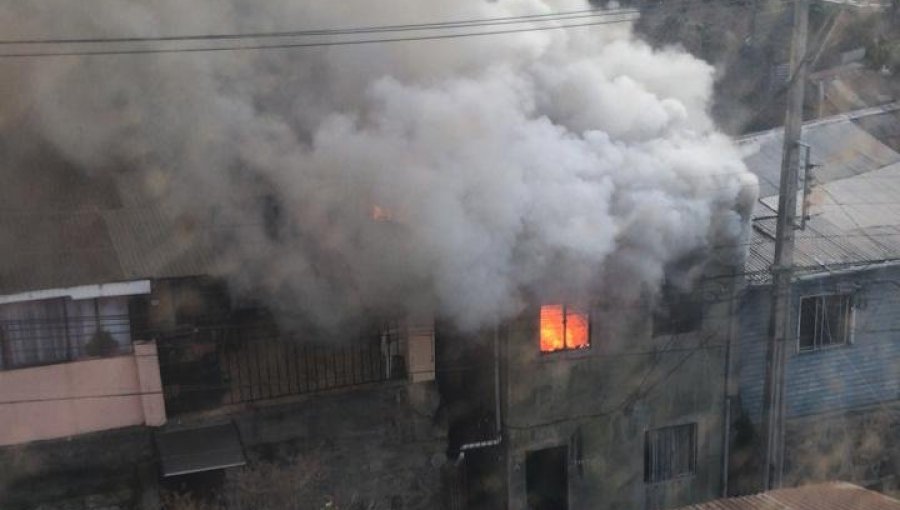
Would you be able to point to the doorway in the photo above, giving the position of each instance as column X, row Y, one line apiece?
column 547, row 479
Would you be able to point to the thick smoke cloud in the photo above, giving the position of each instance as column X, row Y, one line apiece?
column 553, row 164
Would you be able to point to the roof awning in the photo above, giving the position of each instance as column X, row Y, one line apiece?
column 199, row 449
column 114, row 289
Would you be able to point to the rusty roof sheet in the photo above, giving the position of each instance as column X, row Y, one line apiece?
column 824, row 496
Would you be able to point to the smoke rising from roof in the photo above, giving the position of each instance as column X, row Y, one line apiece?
column 551, row 164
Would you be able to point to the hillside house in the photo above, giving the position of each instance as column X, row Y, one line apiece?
column 842, row 383
column 595, row 405
column 127, row 371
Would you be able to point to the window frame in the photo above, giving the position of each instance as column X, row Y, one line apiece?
column 565, row 306
column 75, row 342
column 694, row 453
column 850, row 322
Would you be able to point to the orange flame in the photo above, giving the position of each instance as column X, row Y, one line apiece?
column 563, row 328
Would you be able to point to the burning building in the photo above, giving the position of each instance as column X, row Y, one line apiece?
column 543, row 194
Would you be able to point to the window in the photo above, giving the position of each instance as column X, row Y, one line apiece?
column 677, row 312
column 58, row 330
column 564, row 328
column 825, row 321
column 670, row 453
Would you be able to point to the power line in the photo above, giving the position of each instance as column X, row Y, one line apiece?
column 624, row 16
column 558, row 16
column 249, row 47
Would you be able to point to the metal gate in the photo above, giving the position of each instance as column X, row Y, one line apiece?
column 210, row 367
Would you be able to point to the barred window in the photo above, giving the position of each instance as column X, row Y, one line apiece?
column 670, row 452
column 58, row 330
column 825, row 321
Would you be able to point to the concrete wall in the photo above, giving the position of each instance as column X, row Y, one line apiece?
column 627, row 383
column 68, row 399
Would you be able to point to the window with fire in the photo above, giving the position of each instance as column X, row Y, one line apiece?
column 564, row 328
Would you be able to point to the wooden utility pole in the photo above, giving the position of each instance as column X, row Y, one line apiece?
column 780, row 323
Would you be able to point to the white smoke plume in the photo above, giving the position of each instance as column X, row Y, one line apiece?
column 543, row 164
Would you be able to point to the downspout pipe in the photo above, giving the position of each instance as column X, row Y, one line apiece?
column 729, row 400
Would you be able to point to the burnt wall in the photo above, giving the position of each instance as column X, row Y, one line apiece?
column 600, row 402
column 376, row 447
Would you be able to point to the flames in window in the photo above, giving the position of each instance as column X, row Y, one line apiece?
column 564, row 327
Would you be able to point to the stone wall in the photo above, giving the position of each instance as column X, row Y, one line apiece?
column 862, row 447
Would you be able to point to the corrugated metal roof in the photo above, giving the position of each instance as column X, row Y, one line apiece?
column 855, row 203
column 47, row 250
column 150, row 245
column 884, row 126
column 825, row 496
column 821, row 247
column 839, row 144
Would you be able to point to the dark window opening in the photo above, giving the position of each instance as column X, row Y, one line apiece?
column 677, row 312
column 546, row 478
column 670, row 453
column 825, row 321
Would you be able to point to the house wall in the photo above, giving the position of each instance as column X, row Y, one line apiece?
column 863, row 374
column 842, row 402
column 608, row 396
column 84, row 396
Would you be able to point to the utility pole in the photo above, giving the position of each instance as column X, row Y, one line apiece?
column 780, row 322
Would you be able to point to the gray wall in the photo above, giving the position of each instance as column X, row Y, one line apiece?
column 627, row 383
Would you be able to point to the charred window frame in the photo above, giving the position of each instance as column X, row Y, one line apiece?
column 563, row 327
column 670, row 453
column 677, row 312
column 825, row 321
